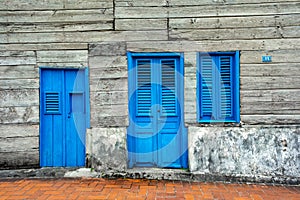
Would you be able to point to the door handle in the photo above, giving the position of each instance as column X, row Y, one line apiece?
column 158, row 110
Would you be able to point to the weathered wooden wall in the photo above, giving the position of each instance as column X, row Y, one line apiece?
column 97, row 33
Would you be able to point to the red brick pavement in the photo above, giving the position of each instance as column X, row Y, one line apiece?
column 140, row 189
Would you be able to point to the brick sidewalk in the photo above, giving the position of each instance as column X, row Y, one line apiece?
column 139, row 189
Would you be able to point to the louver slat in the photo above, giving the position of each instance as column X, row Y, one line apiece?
column 226, row 86
column 206, row 86
column 168, row 96
column 144, row 87
column 52, row 104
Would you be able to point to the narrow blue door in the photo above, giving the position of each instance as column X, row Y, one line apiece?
column 156, row 135
column 63, row 120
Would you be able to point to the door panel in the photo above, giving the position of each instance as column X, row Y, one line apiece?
column 63, row 117
column 155, row 134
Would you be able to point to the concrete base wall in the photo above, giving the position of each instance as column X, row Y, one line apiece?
column 108, row 149
column 250, row 151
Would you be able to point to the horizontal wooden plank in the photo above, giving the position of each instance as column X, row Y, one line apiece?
column 108, row 67
column 24, row 97
column 107, row 49
column 221, row 2
column 278, row 56
column 19, row 84
column 11, row 160
column 109, row 98
column 62, row 56
column 290, row 32
column 109, row 110
column 13, row 115
column 234, row 10
column 270, row 69
column 18, row 130
column 270, row 119
column 141, row 12
column 140, row 3
column 100, row 84
column 109, row 121
column 92, row 15
column 19, row 71
column 55, row 27
column 6, row 61
column 225, row 34
column 73, row 65
column 209, row 45
column 17, row 54
column 103, row 62
column 140, row 24
column 235, row 22
column 47, row 46
column 265, row 108
column 55, row 4
column 19, row 144
column 109, row 72
column 207, row 11
column 291, row 95
column 79, row 37
column 265, row 83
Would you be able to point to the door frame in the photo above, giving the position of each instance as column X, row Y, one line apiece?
column 131, row 88
column 87, row 101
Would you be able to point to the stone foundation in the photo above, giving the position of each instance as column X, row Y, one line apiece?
column 252, row 152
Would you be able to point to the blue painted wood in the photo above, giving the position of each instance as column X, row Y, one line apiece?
column 218, row 83
column 156, row 132
column 63, row 119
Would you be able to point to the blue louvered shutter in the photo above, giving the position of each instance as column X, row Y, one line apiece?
column 226, row 86
column 218, row 87
column 168, row 89
column 206, row 87
column 143, row 87
column 52, row 103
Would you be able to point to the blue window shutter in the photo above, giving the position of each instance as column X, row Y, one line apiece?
column 168, row 96
column 218, row 82
column 226, row 86
column 144, row 87
column 206, row 87
column 52, row 104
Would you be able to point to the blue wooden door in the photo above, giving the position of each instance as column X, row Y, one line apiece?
column 156, row 135
column 63, row 117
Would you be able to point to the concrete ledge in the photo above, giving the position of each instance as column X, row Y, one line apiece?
column 145, row 173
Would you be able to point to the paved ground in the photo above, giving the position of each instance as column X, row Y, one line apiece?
column 139, row 189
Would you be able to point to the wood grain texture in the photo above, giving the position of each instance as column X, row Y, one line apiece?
column 44, row 46
column 83, row 37
column 19, row 115
column 208, row 11
column 19, row 84
column 54, row 4
column 21, row 97
column 55, row 27
column 270, row 119
column 141, row 24
column 235, row 22
column 222, row 2
column 62, row 56
column 56, row 16
column 19, row 144
column 270, row 69
column 278, row 56
column 15, row 130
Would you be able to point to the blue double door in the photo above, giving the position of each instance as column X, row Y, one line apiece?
column 63, row 117
column 156, row 136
